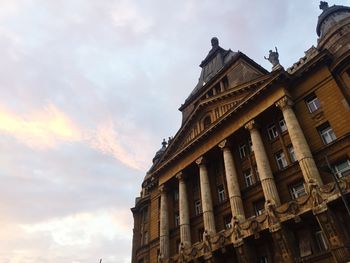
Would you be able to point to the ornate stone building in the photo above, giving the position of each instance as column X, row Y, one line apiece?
column 259, row 166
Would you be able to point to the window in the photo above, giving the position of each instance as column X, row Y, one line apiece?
column 145, row 214
column 221, row 193
column 206, row 122
column 259, row 207
column 200, row 234
column 250, row 144
column 297, row 190
column 248, row 177
column 227, row 221
column 145, row 238
column 321, row 241
column 281, row 160
column 342, row 168
column 242, row 151
column 197, row 207
column 292, row 156
column 176, row 195
column 177, row 219
column 272, row 131
column 327, row 134
column 263, row 259
column 313, row 103
column 282, row 125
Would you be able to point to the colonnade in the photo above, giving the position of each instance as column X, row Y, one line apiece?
column 303, row 155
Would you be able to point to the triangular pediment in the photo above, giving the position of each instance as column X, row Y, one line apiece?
column 208, row 113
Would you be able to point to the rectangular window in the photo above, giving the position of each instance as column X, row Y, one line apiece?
column 327, row 133
column 200, row 234
column 242, row 151
column 282, row 125
column 321, row 241
column 221, row 193
column 259, row 207
column 263, row 259
column 250, row 144
column 145, row 237
column 145, row 214
column 248, row 177
column 297, row 190
column 197, row 207
column 227, row 221
column 292, row 156
column 281, row 160
column 342, row 168
column 272, row 131
column 177, row 219
column 176, row 195
column 313, row 103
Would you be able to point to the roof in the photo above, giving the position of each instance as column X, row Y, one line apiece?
column 327, row 12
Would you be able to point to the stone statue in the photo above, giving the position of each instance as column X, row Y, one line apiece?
column 323, row 5
column 317, row 199
column 206, row 241
column 181, row 252
column 273, row 57
column 236, row 228
column 271, row 213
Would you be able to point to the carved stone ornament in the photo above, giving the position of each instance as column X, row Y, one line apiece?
column 284, row 102
column 273, row 221
column 162, row 189
column 200, row 161
column 250, row 125
column 237, row 233
column 224, row 144
column 206, row 242
column 318, row 203
column 160, row 258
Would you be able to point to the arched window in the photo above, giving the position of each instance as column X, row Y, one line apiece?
column 206, row 122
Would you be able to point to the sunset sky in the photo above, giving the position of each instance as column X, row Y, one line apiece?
column 89, row 88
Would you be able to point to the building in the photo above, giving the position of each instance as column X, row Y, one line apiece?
column 246, row 178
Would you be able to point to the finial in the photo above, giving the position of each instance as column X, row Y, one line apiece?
column 214, row 42
column 164, row 143
column 323, row 5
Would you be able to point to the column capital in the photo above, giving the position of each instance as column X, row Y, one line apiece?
column 250, row 125
column 284, row 102
column 180, row 176
column 162, row 189
column 200, row 161
column 224, row 144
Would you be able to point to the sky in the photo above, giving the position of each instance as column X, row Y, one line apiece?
column 88, row 90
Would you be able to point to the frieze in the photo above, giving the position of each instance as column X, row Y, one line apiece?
column 271, row 219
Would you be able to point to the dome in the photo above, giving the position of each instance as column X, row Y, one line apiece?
column 330, row 17
column 160, row 152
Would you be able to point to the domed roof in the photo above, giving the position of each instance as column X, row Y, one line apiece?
column 160, row 152
column 336, row 10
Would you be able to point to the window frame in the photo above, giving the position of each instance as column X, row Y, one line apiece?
column 284, row 129
column 291, row 152
column 281, row 160
column 242, row 149
column 326, row 131
column 340, row 173
column 197, row 207
column 313, row 103
column 221, row 194
column 272, row 131
column 248, row 178
column 296, row 192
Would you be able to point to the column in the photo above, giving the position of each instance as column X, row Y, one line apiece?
column 300, row 145
column 262, row 162
column 234, row 192
column 185, row 232
column 164, row 224
column 207, row 203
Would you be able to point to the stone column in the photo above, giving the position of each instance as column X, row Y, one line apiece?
column 164, row 224
column 185, row 232
column 300, row 145
column 207, row 203
column 262, row 162
column 234, row 192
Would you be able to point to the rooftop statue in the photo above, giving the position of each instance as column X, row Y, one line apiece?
column 273, row 58
column 323, row 5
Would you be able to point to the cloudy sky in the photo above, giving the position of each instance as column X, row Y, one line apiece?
column 88, row 90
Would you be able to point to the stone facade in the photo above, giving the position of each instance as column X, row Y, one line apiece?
column 259, row 166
